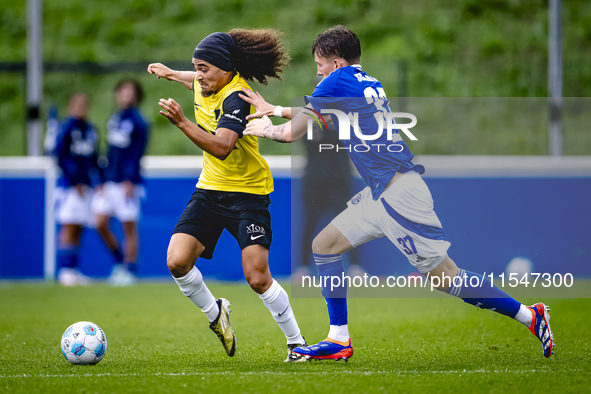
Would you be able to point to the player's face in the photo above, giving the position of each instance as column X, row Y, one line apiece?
column 325, row 65
column 126, row 96
column 78, row 106
column 210, row 78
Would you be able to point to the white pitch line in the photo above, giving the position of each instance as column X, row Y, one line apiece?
column 172, row 374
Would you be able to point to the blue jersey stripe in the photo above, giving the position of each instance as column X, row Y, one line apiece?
column 423, row 230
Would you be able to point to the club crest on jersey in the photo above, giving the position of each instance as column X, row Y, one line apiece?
column 355, row 200
column 81, row 145
column 255, row 229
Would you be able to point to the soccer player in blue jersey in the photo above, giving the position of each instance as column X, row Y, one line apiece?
column 396, row 202
column 77, row 152
column 120, row 195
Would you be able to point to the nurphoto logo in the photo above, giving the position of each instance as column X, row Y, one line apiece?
column 386, row 122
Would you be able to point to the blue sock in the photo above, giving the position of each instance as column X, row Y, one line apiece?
column 330, row 265
column 485, row 296
column 117, row 255
column 132, row 267
column 67, row 256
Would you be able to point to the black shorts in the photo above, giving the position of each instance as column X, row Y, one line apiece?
column 246, row 216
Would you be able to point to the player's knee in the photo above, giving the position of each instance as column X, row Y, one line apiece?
column 441, row 277
column 259, row 282
column 319, row 246
column 102, row 226
column 178, row 265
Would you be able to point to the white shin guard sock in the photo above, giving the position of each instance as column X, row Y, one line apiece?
column 277, row 301
column 524, row 316
column 194, row 288
column 339, row 333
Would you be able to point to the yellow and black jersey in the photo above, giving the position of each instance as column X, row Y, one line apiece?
column 244, row 170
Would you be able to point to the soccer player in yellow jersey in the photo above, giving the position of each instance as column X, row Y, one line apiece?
column 234, row 186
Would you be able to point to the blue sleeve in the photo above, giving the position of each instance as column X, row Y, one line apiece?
column 131, row 166
column 64, row 158
column 235, row 111
column 325, row 94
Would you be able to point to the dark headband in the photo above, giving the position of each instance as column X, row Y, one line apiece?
column 217, row 49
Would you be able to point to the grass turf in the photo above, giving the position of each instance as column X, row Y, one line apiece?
column 159, row 342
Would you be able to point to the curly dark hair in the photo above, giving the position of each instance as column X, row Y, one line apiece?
column 259, row 54
column 338, row 41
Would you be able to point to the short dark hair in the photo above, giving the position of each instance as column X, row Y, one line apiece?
column 338, row 41
column 139, row 92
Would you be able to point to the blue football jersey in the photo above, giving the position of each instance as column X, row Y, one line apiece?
column 77, row 153
column 362, row 98
column 127, row 139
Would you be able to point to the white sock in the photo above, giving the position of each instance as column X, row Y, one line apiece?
column 524, row 316
column 194, row 288
column 339, row 333
column 277, row 301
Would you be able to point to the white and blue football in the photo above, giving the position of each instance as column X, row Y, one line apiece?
column 84, row 343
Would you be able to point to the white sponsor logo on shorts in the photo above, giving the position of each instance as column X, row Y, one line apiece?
column 253, row 228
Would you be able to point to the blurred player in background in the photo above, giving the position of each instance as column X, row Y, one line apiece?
column 52, row 130
column 396, row 202
column 120, row 195
column 234, row 186
column 77, row 153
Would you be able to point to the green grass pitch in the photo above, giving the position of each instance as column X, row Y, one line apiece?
column 160, row 342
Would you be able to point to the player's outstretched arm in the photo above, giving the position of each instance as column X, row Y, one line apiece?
column 219, row 144
column 291, row 131
column 262, row 107
column 185, row 78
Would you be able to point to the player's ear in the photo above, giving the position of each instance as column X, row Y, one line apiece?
column 339, row 62
column 336, row 63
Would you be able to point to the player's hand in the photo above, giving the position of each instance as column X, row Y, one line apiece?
column 258, row 127
column 100, row 188
column 160, row 70
column 255, row 99
column 175, row 112
column 128, row 189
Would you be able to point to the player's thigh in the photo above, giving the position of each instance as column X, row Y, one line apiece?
column 202, row 220
column 351, row 228
column 70, row 234
column 331, row 241
column 410, row 197
column 127, row 209
column 424, row 246
column 183, row 251
column 102, row 202
column 249, row 221
column 74, row 208
column 101, row 222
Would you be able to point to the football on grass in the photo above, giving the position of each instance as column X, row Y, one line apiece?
column 84, row 343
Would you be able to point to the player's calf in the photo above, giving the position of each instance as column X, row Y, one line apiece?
column 477, row 290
